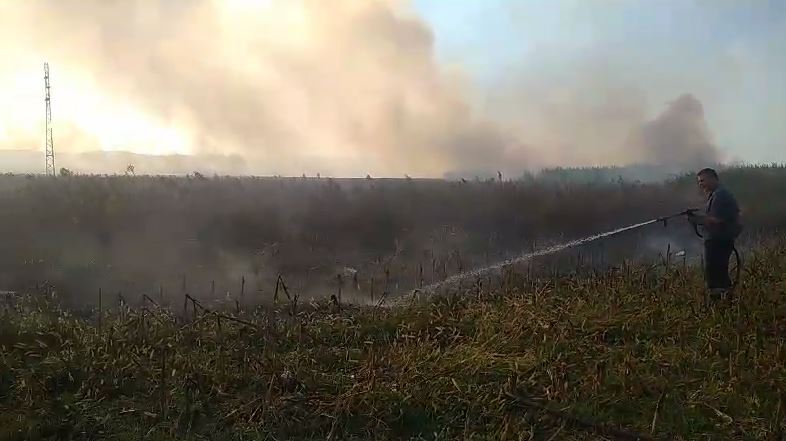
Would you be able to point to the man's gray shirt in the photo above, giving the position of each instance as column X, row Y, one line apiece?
column 722, row 205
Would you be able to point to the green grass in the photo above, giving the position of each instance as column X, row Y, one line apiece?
column 517, row 363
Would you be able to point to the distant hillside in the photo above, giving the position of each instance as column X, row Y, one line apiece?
column 30, row 161
column 645, row 173
column 116, row 162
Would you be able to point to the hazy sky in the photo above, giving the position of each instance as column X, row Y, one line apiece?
column 349, row 87
column 730, row 54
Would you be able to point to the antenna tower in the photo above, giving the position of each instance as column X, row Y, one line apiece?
column 50, row 146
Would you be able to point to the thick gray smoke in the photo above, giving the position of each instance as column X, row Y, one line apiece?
column 345, row 87
column 679, row 135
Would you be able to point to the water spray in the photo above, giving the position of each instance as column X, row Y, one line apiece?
column 563, row 246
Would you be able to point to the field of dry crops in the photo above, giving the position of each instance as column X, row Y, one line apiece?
column 635, row 352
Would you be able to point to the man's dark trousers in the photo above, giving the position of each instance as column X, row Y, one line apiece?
column 716, row 262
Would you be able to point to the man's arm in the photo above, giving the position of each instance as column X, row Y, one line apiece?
column 702, row 219
column 711, row 220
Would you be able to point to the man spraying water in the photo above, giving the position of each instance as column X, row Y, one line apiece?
column 721, row 226
column 720, row 222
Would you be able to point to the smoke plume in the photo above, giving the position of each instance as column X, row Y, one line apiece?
column 345, row 87
column 679, row 135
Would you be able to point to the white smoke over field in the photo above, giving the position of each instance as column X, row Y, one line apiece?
column 340, row 87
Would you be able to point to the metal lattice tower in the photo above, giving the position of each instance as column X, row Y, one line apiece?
column 50, row 146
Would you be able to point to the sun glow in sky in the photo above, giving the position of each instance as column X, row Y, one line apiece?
column 84, row 107
column 79, row 106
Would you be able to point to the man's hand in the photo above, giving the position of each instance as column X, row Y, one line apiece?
column 696, row 219
column 703, row 219
column 712, row 220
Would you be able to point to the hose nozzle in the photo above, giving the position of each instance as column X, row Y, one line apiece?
column 688, row 212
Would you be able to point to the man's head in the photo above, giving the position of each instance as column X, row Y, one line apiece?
column 708, row 180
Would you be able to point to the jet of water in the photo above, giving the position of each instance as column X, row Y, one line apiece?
column 525, row 257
